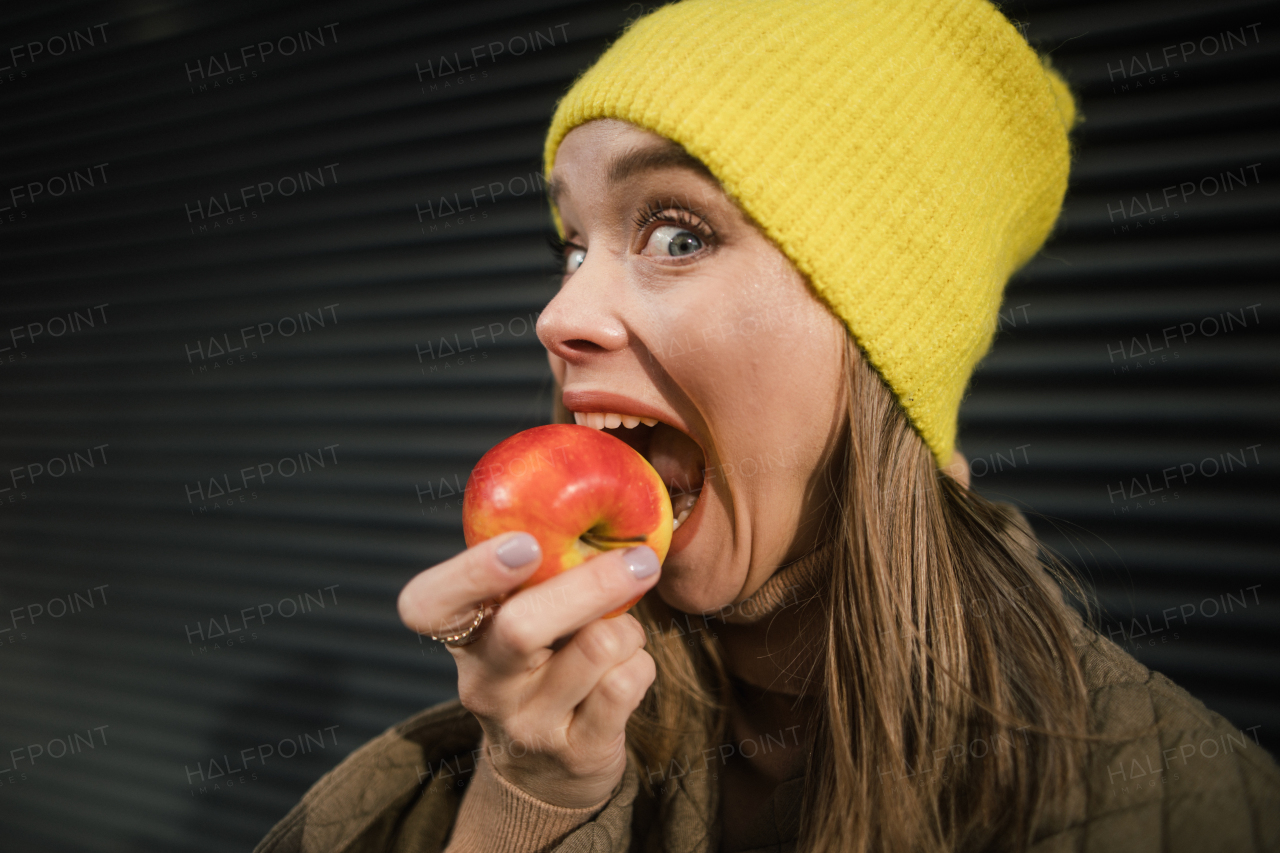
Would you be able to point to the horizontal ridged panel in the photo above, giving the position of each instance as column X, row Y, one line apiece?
column 1082, row 398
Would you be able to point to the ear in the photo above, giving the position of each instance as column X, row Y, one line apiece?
column 958, row 468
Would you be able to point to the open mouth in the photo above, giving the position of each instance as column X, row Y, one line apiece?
column 676, row 457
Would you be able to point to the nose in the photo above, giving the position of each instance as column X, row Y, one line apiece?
column 582, row 320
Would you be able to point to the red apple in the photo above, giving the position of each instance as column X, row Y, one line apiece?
column 578, row 490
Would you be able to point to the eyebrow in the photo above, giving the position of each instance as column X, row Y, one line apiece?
column 668, row 156
column 636, row 161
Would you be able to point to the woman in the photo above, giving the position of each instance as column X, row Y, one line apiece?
column 786, row 228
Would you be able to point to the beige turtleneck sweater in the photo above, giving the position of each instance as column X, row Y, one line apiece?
column 377, row 797
column 498, row 817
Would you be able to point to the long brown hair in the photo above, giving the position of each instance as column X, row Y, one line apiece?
column 953, row 708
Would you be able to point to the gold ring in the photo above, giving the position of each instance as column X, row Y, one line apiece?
column 465, row 636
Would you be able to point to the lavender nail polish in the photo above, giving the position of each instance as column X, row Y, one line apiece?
column 521, row 549
column 641, row 561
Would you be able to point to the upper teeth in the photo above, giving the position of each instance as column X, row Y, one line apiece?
column 611, row 420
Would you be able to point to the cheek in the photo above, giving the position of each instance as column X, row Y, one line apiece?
column 759, row 358
column 757, row 353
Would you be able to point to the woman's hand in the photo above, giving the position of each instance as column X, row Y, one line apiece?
column 554, row 716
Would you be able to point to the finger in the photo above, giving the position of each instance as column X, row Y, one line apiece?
column 572, row 673
column 533, row 618
column 445, row 597
column 602, row 716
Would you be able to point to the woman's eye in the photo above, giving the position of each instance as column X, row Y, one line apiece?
column 673, row 241
column 574, row 259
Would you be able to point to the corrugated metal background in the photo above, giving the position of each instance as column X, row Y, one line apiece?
column 303, row 349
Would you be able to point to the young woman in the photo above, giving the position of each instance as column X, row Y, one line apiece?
column 785, row 230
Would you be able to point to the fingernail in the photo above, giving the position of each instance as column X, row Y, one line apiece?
column 520, row 550
column 641, row 561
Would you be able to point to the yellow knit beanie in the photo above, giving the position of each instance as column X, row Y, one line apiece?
column 907, row 155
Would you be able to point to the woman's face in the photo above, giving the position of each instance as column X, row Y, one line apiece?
column 674, row 307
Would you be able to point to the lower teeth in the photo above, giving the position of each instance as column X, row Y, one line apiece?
column 686, row 508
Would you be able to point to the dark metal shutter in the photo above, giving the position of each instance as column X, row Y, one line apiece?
column 1131, row 399
column 374, row 357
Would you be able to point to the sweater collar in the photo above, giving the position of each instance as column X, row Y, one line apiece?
column 792, row 584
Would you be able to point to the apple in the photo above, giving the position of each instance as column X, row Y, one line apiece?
column 577, row 490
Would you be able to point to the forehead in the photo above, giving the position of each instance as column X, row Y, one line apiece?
column 613, row 152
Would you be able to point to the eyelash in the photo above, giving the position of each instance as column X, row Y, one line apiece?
column 676, row 213
column 557, row 245
column 649, row 214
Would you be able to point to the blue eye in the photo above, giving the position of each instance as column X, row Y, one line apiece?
column 673, row 241
column 574, row 259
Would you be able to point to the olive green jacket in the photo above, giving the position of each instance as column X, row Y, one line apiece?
column 1192, row 783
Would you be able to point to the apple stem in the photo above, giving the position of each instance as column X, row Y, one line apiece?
column 605, row 543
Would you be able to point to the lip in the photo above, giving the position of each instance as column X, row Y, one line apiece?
column 607, row 401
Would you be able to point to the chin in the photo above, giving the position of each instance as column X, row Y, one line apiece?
column 701, row 577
